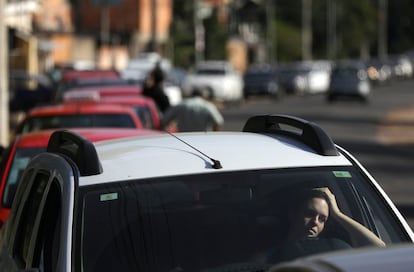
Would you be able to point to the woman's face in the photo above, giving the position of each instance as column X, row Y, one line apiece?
column 314, row 215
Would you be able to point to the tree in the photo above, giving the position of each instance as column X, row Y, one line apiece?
column 182, row 38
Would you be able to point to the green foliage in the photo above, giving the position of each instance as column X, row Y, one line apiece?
column 288, row 42
column 215, row 39
column 182, row 34
column 356, row 29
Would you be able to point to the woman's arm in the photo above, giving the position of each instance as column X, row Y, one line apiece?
column 360, row 235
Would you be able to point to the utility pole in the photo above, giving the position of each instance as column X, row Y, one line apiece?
column 382, row 29
column 105, row 24
column 4, row 92
column 153, row 40
column 199, row 32
column 306, row 29
column 331, row 29
column 271, row 32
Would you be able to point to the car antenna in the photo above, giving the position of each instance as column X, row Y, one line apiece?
column 216, row 163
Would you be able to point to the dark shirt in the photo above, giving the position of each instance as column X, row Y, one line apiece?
column 159, row 97
column 300, row 248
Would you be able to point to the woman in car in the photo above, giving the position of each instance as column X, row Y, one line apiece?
column 308, row 219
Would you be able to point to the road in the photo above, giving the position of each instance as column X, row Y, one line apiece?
column 379, row 134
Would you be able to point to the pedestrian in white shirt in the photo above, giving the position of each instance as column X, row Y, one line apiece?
column 196, row 113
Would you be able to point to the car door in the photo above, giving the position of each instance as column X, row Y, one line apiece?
column 36, row 235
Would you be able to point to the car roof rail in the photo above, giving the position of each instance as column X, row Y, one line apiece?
column 306, row 132
column 80, row 150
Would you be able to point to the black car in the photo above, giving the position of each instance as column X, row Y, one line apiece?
column 261, row 81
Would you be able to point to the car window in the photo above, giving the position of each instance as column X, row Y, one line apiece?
column 144, row 114
column 217, row 219
column 37, row 236
column 210, row 71
column 26, row 225
column 20, row 161
column 84, row 120
column 47, row 242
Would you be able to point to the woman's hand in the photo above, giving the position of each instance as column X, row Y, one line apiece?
column 334, row 209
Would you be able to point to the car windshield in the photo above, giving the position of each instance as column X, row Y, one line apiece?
column 259, row 76
column 210, row 71
column 212, row 222
column 79, row 120
column 144, row 114
column 20, row 161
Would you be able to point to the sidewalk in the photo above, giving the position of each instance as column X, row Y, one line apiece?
column 397, row 127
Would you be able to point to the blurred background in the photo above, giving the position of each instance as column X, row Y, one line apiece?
column 39, row 38
column 308, row 58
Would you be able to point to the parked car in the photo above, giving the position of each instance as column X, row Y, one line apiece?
column 75, row 74
column 225, row 83
column 290, row 78
column 87, row 114
column 82, row 93
column 349, row 79
column 95, row 83
column 200, row 201
column 397, row 258
column 308, row 77
column 138, row 69
column 144, row 107
column 24, row 147
column 261, row 81
column 379, row 71
column 29, row 90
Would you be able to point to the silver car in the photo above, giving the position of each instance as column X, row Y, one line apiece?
column 349, row 79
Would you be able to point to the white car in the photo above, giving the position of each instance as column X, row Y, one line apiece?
column 219, row 77
column 201, row 201
column 138, row 69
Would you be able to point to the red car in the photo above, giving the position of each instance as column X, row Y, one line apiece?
column 24, row 147
column 69, row 115
column 145, row 107
column 106, row 86
column 70, row 75
column 102, row 91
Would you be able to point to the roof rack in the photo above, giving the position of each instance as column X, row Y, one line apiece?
column 80, row 150
column 307, row 132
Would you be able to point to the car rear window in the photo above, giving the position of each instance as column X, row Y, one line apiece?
column 213, row 221
column 79, row 120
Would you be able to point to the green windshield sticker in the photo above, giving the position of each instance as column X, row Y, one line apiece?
column 342, row 174
column 110, row 196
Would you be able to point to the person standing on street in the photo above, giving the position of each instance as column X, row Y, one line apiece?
column 154, row 88
column 194, row 114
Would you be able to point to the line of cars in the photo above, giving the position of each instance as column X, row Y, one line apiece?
column 349, row 79
column 184, row 202
column 200, row 201
column 27, row 145
column 97, row 104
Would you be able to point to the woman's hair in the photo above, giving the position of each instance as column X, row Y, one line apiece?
column 305, row 195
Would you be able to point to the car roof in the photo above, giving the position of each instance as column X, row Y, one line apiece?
column 143, row 157
column 103, row 88
column 92, row 96
column 41, row 138
column 70, row 108
column 80, row 93
column 128, row 100
column 69, row 75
